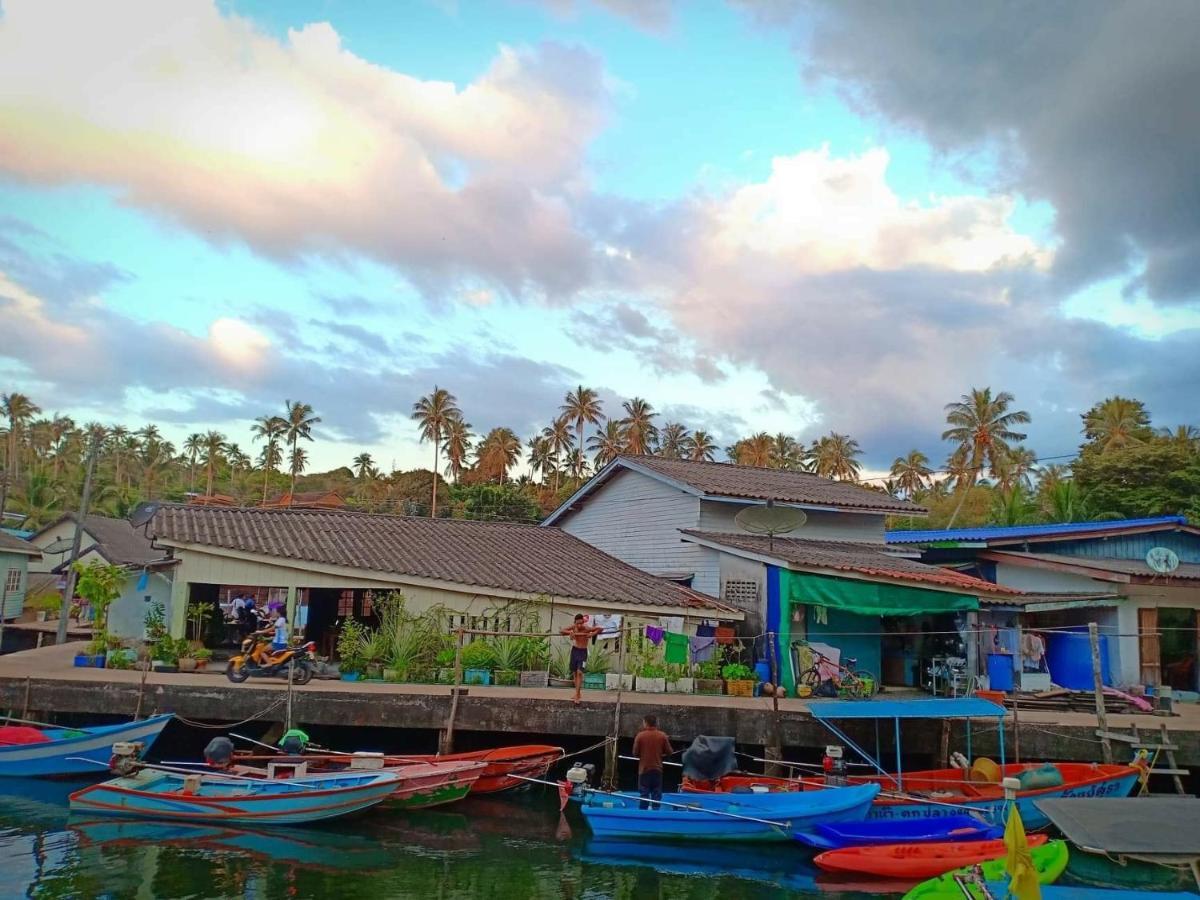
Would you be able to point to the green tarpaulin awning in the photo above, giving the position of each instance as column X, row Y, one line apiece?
column 869, row 598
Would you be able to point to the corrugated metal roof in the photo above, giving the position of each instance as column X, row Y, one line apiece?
column 1063, row 529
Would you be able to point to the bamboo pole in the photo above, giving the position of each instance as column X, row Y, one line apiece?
column 1098, row 687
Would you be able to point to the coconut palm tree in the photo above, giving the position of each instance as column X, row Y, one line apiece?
column 269, row 429
column 116, row 447
column 577, row 463
column 299, row 421
column 1017, row 466
column 148, row 433
column 363, row 466
column 212, row 448
column 582, row 406
column 458, row 446
column 61, row 429
column 153, row 459
column 701, row 447
column 836, row 456
column 911, row 472
column 1062, row 501
column 19, row 410
column 1186, row 436
column 608, row 444
column 787, row 452
column 982, row 426
column 754, row 450
column 673, row 440
column 297, row 463
column 638, row 431
column 498, row 452
column 433, row 413
column 40, row 498
column 192, row 447
column 539, row 456
column 1116, row 422
column 559, row 440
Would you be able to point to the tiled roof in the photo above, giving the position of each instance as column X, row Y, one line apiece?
column 783, row 485
column 526, row 559
column 12, row 544
column 321, row 499
column 1186, row 571
column 116, row 540
column 1063, row 530
column 844, row 556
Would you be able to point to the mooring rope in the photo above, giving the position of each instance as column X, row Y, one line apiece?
column 275, row 704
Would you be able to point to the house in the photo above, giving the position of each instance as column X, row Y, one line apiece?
column 112, row 542
column 15, row 556
column 1138, row 579
column 833, row 578
column 330, row 564
column 306, row 500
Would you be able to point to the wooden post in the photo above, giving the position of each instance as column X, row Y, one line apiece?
column 611, row 779
column 774, row 748
column 944, row 747
column 458, row 649
column 446, row 744
column 1098, row 687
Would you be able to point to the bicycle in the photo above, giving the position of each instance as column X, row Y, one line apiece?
column 851, row 682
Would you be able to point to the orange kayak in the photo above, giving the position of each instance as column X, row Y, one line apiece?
column 914, row 861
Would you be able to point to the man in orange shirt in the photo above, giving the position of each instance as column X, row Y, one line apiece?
column 650, row 746
column 580, row 634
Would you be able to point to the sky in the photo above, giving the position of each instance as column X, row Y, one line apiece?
column 778, row 216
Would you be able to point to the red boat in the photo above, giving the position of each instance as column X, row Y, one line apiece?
column 527, row 760
column 915, row 860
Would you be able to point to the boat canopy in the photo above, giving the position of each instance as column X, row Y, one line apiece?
column 940, row 708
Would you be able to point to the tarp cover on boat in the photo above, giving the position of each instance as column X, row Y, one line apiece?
column 869, row 598
column 11, row 735
column 709, row 758
column 1142, row 826
column 942, row 708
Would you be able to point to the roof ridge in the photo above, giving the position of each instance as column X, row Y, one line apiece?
column 733, row 465
column 360, row 513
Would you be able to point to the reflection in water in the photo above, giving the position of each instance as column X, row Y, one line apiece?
column 498, row 848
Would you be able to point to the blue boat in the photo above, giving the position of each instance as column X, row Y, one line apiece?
column 725, row 817
column 76, row 751
column 826, row 836
column 999, row 891
column 152, row 793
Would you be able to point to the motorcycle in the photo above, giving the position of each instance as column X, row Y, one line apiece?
column 276, row 663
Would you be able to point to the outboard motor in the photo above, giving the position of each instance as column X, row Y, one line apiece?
column 579, row 776
column 125, row 756
column 219, row 752
column 294, row 742
column 834, row 765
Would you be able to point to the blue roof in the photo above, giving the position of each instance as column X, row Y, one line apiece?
column 988, row 533
column 943, row 708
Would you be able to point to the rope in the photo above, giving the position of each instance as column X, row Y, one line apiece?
column 596, row 746
column 227, row 725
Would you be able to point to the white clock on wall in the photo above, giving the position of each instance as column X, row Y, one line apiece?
column 1162, row 560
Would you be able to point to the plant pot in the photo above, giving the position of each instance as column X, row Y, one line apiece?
column 167, row 669
column 477, row 676
column 374, row 671
column 570, row 683
column 710, row 686
column 593, row 682
column 646, row 685
column 682, row 686
column 201, row 665
column 740, row 688
column 351, row 676
column 187, row 664
column 615, row 682
column 82, row 661
column 538, row 679
column 392, row 675
column 42, row 615
column 508, row 676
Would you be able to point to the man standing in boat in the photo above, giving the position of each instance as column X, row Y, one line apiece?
column 650, row 746
column 580, row 634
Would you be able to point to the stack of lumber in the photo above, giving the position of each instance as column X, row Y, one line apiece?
column 1071, row 701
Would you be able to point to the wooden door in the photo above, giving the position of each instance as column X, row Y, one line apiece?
column 1148, row 646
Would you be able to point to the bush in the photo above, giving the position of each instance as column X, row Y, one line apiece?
column 738, row 672
column 350, row 646
column 478, row 654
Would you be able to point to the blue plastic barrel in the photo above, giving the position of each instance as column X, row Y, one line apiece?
column 1069, row 656
column 763, row 669
column 1000, row 671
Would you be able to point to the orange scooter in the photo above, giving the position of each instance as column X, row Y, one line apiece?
column 257, row 660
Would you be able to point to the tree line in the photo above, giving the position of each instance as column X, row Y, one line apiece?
column 1124, row 466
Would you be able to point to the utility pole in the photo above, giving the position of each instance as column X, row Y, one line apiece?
column 69, row 588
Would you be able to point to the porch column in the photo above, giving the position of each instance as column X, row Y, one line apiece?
column 972, row 643
column 291, row 606
column 176, row 614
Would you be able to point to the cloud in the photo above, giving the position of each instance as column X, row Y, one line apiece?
column 298, row 147
column 1090, row 106
column 650, row 15
column 624, row 327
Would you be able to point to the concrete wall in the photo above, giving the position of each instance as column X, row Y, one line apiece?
column 823, row 526
column 12, row 603
column 127, row 614
column 1142, row 596
column 1027, row 578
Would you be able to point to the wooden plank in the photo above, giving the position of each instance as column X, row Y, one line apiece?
column 1170, row 772
column 1149, row 650
column 1135, row 741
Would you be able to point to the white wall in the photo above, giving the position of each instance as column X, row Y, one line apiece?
column 1027, row 578
column 61, row 531
column 127, row 614
column 1142, row 596
column 821, row 525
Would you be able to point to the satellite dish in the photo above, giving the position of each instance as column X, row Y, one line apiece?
column 1162, row 560
column 770, row 519
column 62, row 545
column 143, row 513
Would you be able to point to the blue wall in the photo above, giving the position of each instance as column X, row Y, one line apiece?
column 865, row 647
column 1130, row 546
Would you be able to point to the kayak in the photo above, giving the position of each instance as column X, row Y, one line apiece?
column 899, row 831
column 915, row 860
column 1049, row 861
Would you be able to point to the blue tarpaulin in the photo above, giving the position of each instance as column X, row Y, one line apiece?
column 943, row 708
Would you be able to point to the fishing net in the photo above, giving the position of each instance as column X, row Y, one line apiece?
column 709, row 758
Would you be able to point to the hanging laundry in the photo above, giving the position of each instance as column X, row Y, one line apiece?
column 705, row 631
column 610, row 623
column 702, row 647
column 671, row 623
column 677, row 649
column 725, row 634
column 654, row 634
column 820, row 615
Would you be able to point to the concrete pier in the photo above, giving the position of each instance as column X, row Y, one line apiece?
column 44, row 681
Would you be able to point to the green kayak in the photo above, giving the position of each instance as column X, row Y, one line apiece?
column 1050, row 860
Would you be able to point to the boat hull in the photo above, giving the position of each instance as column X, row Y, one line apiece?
column 913, row 861
column 152, row 794
column 957, row 829
column 725, row 817
column 503, row 763
column 86, row 754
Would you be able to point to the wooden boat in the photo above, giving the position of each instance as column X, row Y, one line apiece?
column 527, row 760
column 27, row 752
column 1049, row 861
column 904, row 831
column 915, row 860
column 201, row 797
column 724, row 817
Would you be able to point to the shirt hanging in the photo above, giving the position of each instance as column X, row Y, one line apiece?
column 702, row 648
column 677, row 649
column 724, row 634
column 610, row 623
column 671, row 623
column 654, row 635
column 705, row 630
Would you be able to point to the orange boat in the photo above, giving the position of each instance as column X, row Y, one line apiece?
column 912, row 861
column 503, row 763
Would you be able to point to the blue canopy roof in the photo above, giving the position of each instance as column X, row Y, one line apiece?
column 1019, row 531
column 942, row 708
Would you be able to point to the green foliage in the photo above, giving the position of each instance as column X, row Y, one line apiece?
column 169, row 650
column 198, row 614
column 652, row 669
column 505, row 502
column 155, row 623
column 350, row 646
column 509, row 653
column 48, row 603
column 1013, row 506
column 99, row 584
column 1153, row 478
column 479, row 654
column 738, row 672
column 600, row 662
column 560, row 662
column 675, row 671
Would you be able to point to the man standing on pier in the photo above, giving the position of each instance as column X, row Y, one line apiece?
column 580, row 633
column 650, row 746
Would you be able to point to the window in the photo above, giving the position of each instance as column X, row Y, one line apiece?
column 742, row 594
column 12, row 582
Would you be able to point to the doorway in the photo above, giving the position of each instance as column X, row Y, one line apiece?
column 1177, row 629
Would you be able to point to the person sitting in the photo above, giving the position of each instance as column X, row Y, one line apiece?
column 278, row 629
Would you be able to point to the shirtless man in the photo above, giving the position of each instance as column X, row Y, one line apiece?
column 580, row 634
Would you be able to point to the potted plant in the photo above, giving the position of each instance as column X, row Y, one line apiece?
column 560, row 664
column 679, row 680
column 708, row 676
column 376, row 648
column 47, row 606
column 651, row 677
column 739, row 679
column 623, row 681
column 508, row 658
column 202, row 656
column 535, row 672
column 350, row 649
column 595, row 676
column 477, row 661
column 444, row 665
column 166, row 653
column 187, row 662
